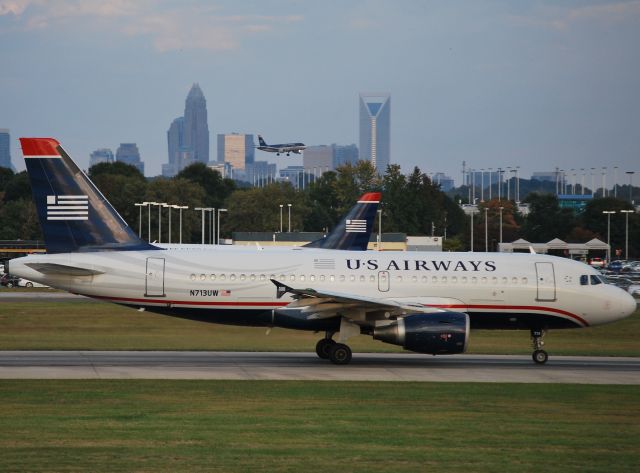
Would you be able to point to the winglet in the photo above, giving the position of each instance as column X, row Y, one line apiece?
column 281, row 289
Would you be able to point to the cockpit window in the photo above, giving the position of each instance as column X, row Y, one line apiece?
column 584, row 280
column 595, row 280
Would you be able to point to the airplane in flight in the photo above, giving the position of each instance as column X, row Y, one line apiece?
column 280, row 148
column 426, row 302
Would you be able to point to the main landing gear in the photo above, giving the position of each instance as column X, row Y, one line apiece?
column 328, row 349
column 539, row 355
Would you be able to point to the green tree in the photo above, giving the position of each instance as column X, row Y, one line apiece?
column 594, row 220
column 215, row 187
column 546, row 219
column 258, row 209
column 176, row 191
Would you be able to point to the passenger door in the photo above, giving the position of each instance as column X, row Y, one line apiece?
column 546, row 282
column 154, row 286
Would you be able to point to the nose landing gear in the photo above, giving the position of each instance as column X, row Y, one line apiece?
column 539, row 355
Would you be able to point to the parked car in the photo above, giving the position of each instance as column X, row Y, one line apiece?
column 596, row 262
column 9, row 281
column 26, row 283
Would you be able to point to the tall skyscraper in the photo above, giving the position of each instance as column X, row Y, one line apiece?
column 236, row 149
column 375, row 130
column 5, row 149
column 196, row 128
column 102, row 155
column 128, row 153
column 188, row 136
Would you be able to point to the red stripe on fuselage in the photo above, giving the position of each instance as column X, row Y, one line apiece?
column 511, row 307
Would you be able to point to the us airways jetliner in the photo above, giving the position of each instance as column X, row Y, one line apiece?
column 423, row 301
column 280, row 148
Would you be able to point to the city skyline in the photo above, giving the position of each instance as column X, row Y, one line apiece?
column 498, row 84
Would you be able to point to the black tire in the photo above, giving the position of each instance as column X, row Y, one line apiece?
column 540, row 357
column 340, row 354
column 323, row 348
column 29, row 284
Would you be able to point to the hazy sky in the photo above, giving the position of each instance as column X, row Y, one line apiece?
column 537, row 84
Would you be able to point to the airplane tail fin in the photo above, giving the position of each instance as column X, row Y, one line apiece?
column 354, row 230
column 261, row 141
column 73, row 213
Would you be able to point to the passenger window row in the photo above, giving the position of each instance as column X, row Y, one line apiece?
column 362, row 278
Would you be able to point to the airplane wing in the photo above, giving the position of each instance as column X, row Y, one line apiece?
column 326, row 304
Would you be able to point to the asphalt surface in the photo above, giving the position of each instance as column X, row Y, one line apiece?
column 307, row 366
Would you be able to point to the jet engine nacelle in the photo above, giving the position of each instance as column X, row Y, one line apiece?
column 444, row 333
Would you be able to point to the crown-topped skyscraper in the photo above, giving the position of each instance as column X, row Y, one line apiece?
column 188, row 136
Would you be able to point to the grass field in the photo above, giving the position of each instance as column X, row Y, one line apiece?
column 101, row 326
column 306, row 426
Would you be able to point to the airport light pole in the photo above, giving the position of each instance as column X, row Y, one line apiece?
column 630, row 187
column 202, row 210
column 379, row 229
column 149, row 204
column 181, row 207
column 218, row 237
column 604, row 182
column 626, row 232
column 281, row 207
column 486, row 229
column 160, row 205
column 615, row 181
column 140, row 205
column 481, row 185
column 211, row 225
column 501, row 209
column 608, row 213
column 490, row 172
column 289, row 205
column 169, row 207
column 472, row 230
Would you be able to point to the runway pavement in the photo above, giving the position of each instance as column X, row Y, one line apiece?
column 307, row 366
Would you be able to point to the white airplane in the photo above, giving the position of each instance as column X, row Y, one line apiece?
column 281, row 147
column 423, row 301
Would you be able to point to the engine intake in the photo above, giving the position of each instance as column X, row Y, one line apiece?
column 444, row 333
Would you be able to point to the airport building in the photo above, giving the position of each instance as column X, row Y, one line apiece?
column 375, row 130
column 102, row 155
column 128, row 153
column 5, row 149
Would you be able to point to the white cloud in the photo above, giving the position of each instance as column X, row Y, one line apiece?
column 168, row 25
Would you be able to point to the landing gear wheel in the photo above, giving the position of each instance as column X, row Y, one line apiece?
column 340, row 354
column 540, row 357
column 323, row 348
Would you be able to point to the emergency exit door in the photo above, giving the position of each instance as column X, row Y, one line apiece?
column 155, row 277
column 546, row 281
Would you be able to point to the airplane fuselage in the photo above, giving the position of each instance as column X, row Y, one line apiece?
column 515, row 291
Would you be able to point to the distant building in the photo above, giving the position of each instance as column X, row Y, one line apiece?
column 375, row 130
column 196, row 127
column 260, row 173
column 102, row 155
column 318, row 159
column 5, row 149
column 445, row 182
column 128, row 153
column 344, row 154
column 293, row 174
column 322, row 158
column 188, row 136
column 576, row 202
column 236, row 149
column 225, row 169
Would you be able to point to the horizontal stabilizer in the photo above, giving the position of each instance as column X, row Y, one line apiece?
column 63, row 269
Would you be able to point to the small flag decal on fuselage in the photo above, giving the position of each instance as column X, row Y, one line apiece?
column 356, row 226
column 67, row 207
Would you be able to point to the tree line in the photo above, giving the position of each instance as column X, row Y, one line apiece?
column 411, row 204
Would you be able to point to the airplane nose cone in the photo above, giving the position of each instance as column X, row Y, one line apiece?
column 629, row 305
